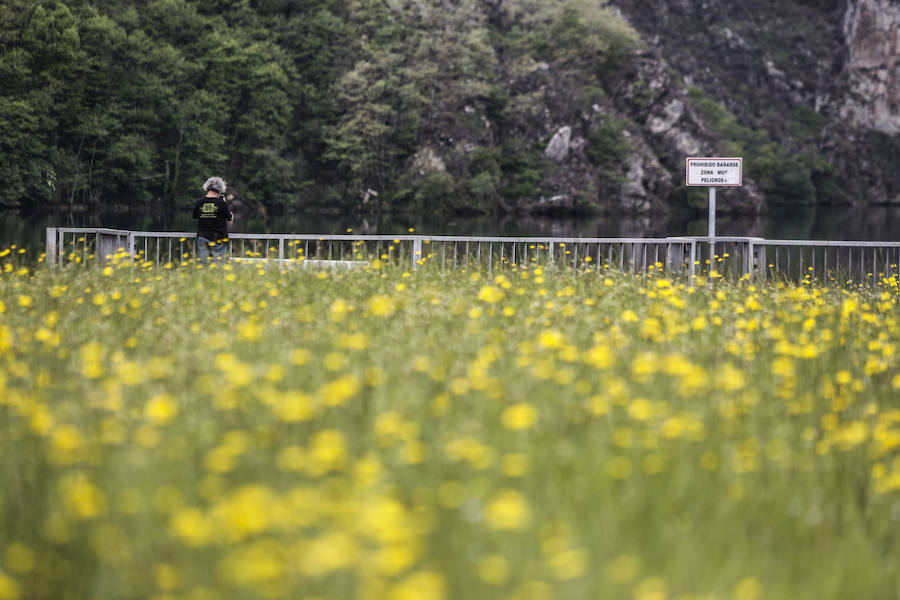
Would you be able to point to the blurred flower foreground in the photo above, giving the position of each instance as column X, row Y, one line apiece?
column 239, row 432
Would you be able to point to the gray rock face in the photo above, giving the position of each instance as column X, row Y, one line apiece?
column 646, row 179
column 670, row 117
column 828, row 68
column 820, row 79
column 672, row 126
column 426, row 161
column 558, row 148
column 872, row 32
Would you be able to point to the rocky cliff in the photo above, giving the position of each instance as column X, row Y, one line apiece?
column 809, row 90
column 872, row 33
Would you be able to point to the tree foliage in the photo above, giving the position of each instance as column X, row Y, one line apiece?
column 296, row 103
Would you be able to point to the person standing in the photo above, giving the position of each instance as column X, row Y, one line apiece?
column 212, row 214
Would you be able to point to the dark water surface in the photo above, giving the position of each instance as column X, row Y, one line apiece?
column 881, row 223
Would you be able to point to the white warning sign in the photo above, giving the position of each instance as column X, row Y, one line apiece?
column 714, row 172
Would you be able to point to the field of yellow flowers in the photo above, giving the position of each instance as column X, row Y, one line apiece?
column 243, row 432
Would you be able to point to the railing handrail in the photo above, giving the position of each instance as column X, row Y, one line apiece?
column 496, row 239
column 388, row 237
column 92, row 230
column 829, row 243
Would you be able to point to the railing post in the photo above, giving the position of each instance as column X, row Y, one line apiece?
column 131, row 245
column 416, row 252
column 747, row 261
column 51, row 238
column 762, row 268
column 693, row 265
column 280, row 248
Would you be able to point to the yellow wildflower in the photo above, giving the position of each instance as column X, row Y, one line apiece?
column 329, row 552
column 491, row 294
column 747, row 589
column 653, row 588
column 519, row 416
column 381, row 306
column 262, row 561
column 640, row 409
column 340, row 390
column 67, row 438
column 422, row 585
column 160, row 409
column 191, row 526
column 327, row 452
column 507, row 509
column 81, row 498
column 243, row 513
column 9, row 589
column 294, row 406
column 551, row 338
column 568, row 564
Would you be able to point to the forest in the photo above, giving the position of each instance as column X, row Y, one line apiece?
column 427, row 106
column 312, row 103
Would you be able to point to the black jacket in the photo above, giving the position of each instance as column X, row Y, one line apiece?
column 212, row 215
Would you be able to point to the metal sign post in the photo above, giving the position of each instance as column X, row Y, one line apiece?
column 713, row 172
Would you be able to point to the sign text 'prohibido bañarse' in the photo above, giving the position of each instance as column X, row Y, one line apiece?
column 714, row 171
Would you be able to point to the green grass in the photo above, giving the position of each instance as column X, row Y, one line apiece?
column 240, row 432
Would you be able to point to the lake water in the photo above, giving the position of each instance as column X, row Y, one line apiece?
column 881, row 223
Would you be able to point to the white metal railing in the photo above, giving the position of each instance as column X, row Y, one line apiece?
column 843, row 261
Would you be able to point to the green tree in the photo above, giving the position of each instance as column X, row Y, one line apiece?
column 255, row 79
column 379, row 102
column 39, row 46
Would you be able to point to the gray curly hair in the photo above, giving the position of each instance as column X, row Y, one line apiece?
column 216, row 184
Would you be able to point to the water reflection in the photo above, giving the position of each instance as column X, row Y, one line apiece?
column 835, row 223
